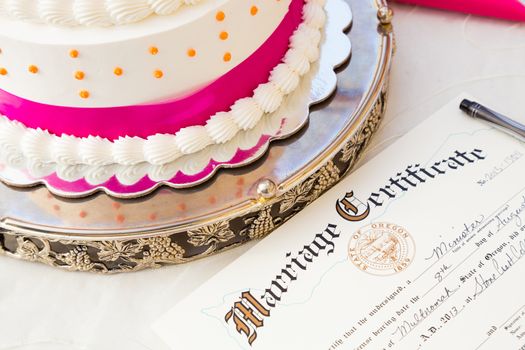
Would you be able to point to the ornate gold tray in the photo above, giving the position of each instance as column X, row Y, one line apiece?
column 104, row 234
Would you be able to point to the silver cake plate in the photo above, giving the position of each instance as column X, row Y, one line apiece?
column 245, row 148
column 104, row 234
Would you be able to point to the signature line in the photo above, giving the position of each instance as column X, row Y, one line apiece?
column 507, row 320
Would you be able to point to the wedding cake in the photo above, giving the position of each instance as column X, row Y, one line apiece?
column 106, row 84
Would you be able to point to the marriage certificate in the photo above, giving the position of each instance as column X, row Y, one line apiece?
column 421, row 248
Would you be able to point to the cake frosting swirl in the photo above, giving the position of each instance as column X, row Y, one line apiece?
column 91, row 13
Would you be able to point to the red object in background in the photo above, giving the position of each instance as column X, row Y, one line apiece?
column 507, row 9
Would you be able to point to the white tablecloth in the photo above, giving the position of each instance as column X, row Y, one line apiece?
column 439, row 55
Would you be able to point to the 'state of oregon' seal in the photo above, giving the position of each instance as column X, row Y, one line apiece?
column 381, row 249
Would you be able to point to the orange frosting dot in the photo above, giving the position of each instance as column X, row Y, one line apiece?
column 33, row 69
column 224, row 35
column 254, row 10
column 220, row 16
column 158, row 74
column 79, row 75
column 153, row 50
column 227, row 57
column 84, row 94
column 192, row 53
column 118, row 71
column 73, row 53
column 82, row 214
column 3, row 71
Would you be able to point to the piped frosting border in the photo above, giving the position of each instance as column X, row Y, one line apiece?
column 19, row 144
column 90, row 13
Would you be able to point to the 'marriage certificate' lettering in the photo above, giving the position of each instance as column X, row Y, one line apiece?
column 421, row 248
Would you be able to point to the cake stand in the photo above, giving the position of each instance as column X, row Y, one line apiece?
column 103, row 234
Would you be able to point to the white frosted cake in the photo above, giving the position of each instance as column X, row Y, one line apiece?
column 91, row 89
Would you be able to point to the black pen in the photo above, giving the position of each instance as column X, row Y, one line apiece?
column 476, row 110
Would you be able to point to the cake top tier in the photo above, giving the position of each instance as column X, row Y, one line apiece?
column 93, row 13
column 160, row 59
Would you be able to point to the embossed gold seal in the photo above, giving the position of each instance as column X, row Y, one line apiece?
column 381, row 248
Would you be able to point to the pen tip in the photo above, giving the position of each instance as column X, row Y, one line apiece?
column 465, row 105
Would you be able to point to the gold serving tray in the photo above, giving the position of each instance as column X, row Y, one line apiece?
column 104, row 234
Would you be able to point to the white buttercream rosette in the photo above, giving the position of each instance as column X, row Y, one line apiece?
column 91, row 13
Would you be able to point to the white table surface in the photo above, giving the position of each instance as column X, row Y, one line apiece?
column 439, row 55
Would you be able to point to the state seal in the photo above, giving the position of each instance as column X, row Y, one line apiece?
column 381, row 249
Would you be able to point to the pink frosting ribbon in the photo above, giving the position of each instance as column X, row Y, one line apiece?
column 166, row 117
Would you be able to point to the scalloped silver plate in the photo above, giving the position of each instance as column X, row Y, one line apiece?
column 245, row 148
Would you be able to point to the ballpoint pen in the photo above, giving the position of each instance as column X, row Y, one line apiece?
column 477, row 110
